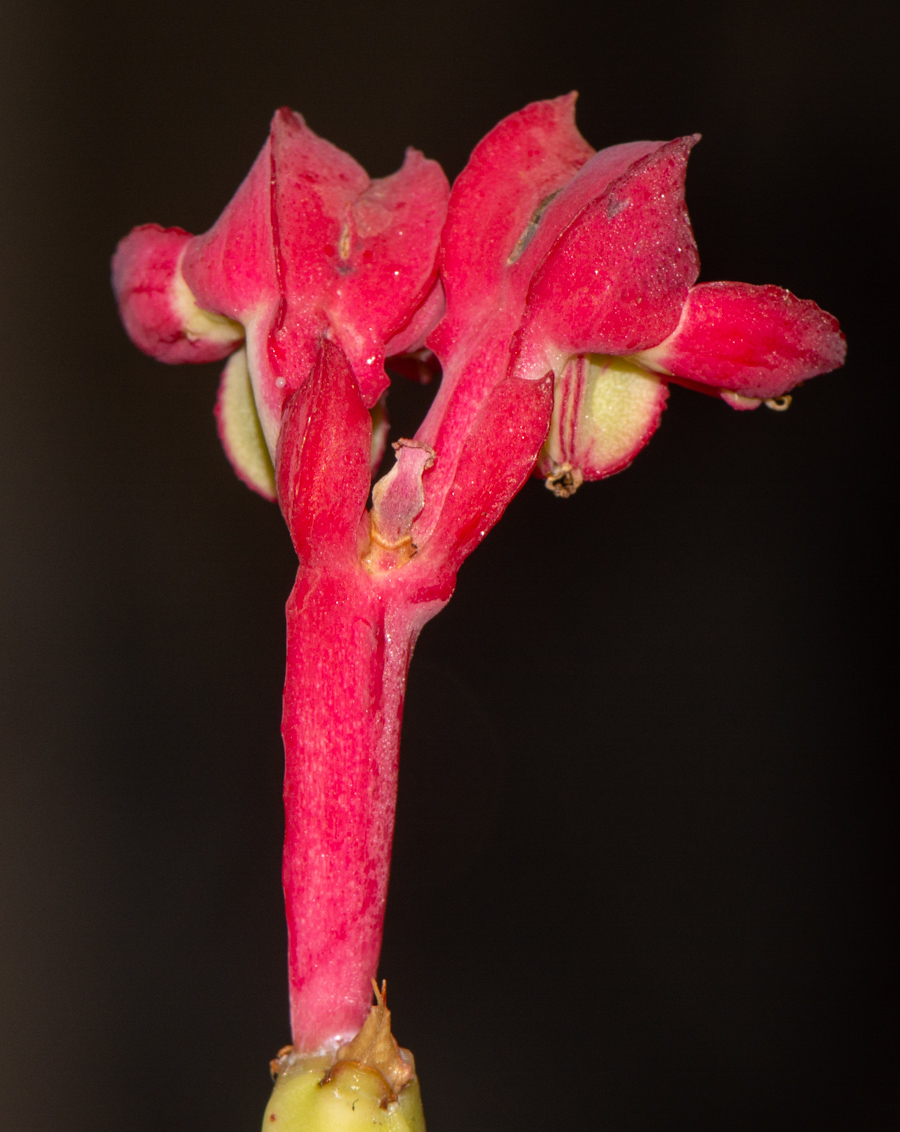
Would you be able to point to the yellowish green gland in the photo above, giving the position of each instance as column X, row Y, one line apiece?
column 368, row 1083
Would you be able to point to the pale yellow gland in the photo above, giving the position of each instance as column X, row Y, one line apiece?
column 241, row 431
column 622, row 400
column 604, row 408
column 197, row 322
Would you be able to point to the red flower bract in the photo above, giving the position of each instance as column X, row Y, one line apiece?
column 559, row 260
column 309, row 247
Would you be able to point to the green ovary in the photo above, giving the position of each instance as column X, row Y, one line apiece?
column 348, row 1097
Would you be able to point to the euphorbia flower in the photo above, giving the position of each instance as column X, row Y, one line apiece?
column 308, row 247
column 567, row 299
column 589, row 263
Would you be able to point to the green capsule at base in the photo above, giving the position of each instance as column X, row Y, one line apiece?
column 311, row 1095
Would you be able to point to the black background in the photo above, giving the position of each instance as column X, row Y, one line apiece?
column 642, row 876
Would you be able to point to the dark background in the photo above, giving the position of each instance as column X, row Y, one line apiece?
column 642, row 875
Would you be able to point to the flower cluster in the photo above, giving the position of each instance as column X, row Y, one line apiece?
column 556, row 287
column 547, row 264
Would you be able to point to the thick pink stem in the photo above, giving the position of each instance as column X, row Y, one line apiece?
column 349, row 645
column 352, row 625
column 360, row 600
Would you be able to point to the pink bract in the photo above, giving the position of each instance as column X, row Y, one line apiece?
column 308, row 247
column 558, row 289
column 756, row 341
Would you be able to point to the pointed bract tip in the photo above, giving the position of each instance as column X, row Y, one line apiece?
column 285, row 116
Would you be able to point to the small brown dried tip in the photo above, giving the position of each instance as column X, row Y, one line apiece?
column 376, row 1047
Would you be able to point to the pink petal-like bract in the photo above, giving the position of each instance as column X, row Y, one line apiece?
column 616, row 280
column 309, row 246
column 498, row 206
column 755, row 341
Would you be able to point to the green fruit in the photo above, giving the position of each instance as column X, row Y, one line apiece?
column 311, row 1096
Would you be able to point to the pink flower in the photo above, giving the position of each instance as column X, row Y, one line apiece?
column 309, row 247
column 559, row 260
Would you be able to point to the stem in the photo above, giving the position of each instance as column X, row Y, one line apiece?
column 350, row 638
column 365, row 588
